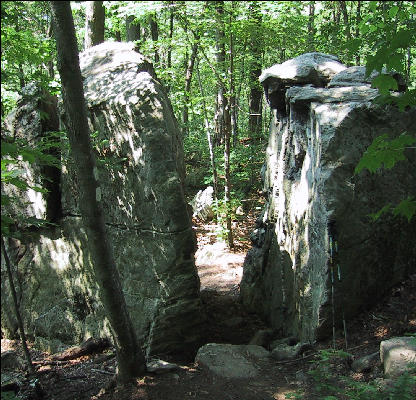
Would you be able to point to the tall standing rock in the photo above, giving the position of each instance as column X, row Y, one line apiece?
column 318, row 133
column 140, row 170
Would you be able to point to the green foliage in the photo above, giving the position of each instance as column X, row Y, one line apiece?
column 14, row 155
column 26, row 48
column 8, row 396
column 385, row 152
column 330, row 384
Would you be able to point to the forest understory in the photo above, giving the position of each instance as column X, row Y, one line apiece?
column 92, row 376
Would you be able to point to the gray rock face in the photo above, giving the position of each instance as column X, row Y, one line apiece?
column 355, row 76
column 317, row 137
column 231, row 361
column 310, row 68
column 397, row 354
column 140, row 169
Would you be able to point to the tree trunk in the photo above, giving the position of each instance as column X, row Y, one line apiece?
column 256, row 92
column 131, row 362
column 132, row 29
column 311, row 26
column 232, row 99
column 171, row 18
column 223, row 117
column 188, row 81
column 210, row 141
column 154, row 31
column 221, row 102
column 94, row 23
column 357, row 30
column 16, row 308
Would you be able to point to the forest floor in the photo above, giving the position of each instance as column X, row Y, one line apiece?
column 91, row 377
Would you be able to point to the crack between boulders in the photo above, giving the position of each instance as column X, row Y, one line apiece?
column 135, row 228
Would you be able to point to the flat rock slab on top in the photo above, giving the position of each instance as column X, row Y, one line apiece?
column 315, row 68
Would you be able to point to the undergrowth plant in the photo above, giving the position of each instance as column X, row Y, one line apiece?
column 330, row 384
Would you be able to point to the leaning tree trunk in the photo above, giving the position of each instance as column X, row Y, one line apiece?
column 16, row 308
column 131, row 362
column 94, row 23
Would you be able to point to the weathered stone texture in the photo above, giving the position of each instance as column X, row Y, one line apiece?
column 317, row 137
column 398, row 355
column 140, row 170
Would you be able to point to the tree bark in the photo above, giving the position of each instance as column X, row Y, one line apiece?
column 171, row 19
column 223, row 117
column 187, row 92
column 256, row 92
column 210, row 141
column 357, row 30
column 16, row 308
column 132, row 29
column 311, row 26
column 94, row 24
column 131, row 362
column 154, row 31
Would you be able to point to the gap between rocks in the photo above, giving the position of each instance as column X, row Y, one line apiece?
column 220, row 271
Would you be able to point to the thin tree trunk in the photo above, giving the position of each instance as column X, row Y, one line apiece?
column 94, row 24
column 311, row 26
column 131, row 362
column 188, row 81
column 154, row 31
column 357, row 30
column 232, row 101
column 21, row 76
column 221, row 103
column 16, row 308
column 132, row 29
column 49, row 64
column 256, row 93
column 209, row 138
column 223, row 118
column 343, row 7
column 171, row 19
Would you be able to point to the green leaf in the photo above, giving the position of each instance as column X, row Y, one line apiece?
column 384, row 83
column 393, row 11
column 403, row 39
column 406, row 208
column 384, row 151
column 375, row 216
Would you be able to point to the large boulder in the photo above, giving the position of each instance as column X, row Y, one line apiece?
column 140, row 168
column 315, row 226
